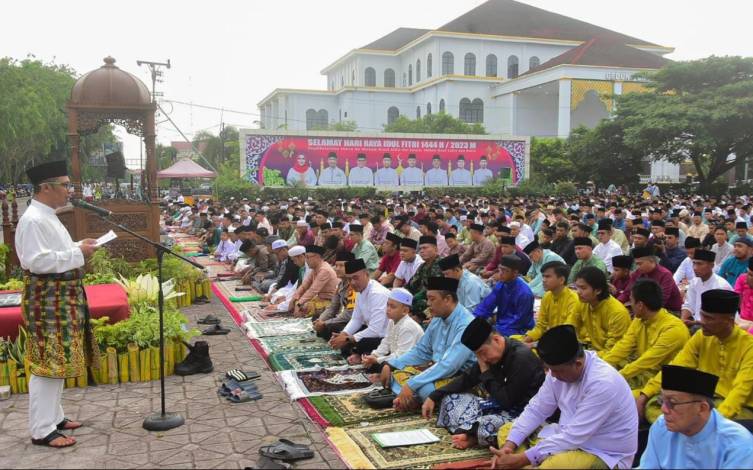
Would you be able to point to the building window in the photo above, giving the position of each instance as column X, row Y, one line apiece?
column 369, row 77
column 392, row 114
column 512, row 66
column 441, row 105
column 491, row 65
column 410, row 75
column 316, row 119
column 471, row 111
column 470, row 64
column 428, row 66
column 448, row 63
column 389, row 78
column 418, row 70
column 418, row 112
column 428, row 109
column 533, row 62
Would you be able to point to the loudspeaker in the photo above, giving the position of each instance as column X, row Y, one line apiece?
column 116, row 167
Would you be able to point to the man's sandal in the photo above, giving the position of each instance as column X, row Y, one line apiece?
column 47, row 441
column 68, row 425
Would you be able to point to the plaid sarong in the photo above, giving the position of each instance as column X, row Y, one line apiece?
column 61, row 343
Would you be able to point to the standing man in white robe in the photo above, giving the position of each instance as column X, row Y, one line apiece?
column 482, row 174
column 460, row 176
column 386, row 176
column 412, row 176
column 361, row 175
column 332, row 175
column 436, row 176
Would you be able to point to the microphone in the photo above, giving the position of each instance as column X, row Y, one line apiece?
column 91, row 207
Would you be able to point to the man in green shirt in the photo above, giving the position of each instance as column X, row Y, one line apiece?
column 584, row 254
column 427, row 246
column 363, row 249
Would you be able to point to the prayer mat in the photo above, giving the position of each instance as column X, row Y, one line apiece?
column 296, row 343
column 341, row 380
column 344, row 410
column 301, row 360
column 297, row 326
column 359, row 450
column 465, row 465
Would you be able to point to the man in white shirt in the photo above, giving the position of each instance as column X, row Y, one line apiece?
column 368, row 325
column 386, row 176
column 332, row 175
column 361, row 175
column 607, row 248
column 54, row 306
column 412, row 176
column 482, row 174
column 685, row 273
column 520, row 239
column 436, row 176
column 460, row 176
column 410, row 261
column 705, row 279
column 721, row 248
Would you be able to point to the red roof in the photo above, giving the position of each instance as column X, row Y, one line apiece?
column 603, row 52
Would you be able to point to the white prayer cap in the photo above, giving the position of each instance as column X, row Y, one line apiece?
column 296, row 251
column 401, row 295
column 231, row 229
column 515, row 224
column 463, row 217
column 277, row 244
column 301, row 223
column 265, row 208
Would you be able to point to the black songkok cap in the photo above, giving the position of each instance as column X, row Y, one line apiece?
column 672, row 231
column 531, row 246
column 48, row 170
column 356, row 228
column 354, row 266
column 450, row 262
column 427, row 239
column 507, row 241
column 442, row 283
column 720, row 301
column 394, row 239
column 504, row 229
column 558, row 345
column 642, row 252
column 477, row 227
column 409, row 243
column 622, row 261
column 605, row 224
column 643, row 231
column 685, row 379
column 583, row 241
column 704, row 255
column 345, row 256
column 692, row 242
column 741, row 225
column 510, row 261
column 319, row 250
column 476, row 333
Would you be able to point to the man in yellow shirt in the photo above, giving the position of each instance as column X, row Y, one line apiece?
column 720, row 348
column 557, row 305
column 600, row 319
column 652, row 340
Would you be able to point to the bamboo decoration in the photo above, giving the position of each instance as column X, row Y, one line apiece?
column 82, row 381
column 22, row 385
column 27, row 368
column 154, row 358
column 112, row 365
column 123, row 367
column 4, row 373
column 103, row 370
column 133, row 363
column 70, row 382
column 12, row 376
column 145, row 366
column 169, row 357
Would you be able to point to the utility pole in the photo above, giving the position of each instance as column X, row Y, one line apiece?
column 154, row 68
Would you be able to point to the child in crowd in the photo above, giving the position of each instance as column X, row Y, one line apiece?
column 402, row 332
column 225, row 249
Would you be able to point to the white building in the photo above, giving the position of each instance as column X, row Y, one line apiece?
column 517, row 69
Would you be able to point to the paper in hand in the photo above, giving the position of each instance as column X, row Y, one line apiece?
column 108, row 237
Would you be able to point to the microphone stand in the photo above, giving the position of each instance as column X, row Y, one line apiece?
column 161, row 421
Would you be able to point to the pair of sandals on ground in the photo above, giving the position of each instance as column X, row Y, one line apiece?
column 238, row 386
column 279, row 454
column 56, row 439
column 215, row 328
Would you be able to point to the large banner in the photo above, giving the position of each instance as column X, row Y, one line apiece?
column 389, row 161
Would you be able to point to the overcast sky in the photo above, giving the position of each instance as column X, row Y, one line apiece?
column 232, row 54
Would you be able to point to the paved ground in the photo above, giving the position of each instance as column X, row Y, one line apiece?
column 217, row 434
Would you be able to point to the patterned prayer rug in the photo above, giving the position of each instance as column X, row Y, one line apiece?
column 299, row 360
column 341, row 380
column 358, row 449
column 305, row 342
column 297, row 326
column 344, row 410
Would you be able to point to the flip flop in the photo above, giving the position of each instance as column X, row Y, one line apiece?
column 242, row 376
column 225, row 391
column 209, row 320
column 215, row 330
column 47, row 440
column 286, row 450
column 244, row 397
column 271, row 464
column 62, row 425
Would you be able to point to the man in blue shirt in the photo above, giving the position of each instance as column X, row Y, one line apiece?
column 691, row 433
column 735, row 265
column 440, row 346
column 511, row 298
column 472, row 289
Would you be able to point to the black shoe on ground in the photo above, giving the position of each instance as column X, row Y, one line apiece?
column 197, row 361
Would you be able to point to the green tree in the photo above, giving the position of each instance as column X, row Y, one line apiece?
column 699, row 110
column 219, row 149
column 550, row 159
column 441, row 123
column 602, row 155
column 344, row 126
column 33, row 123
